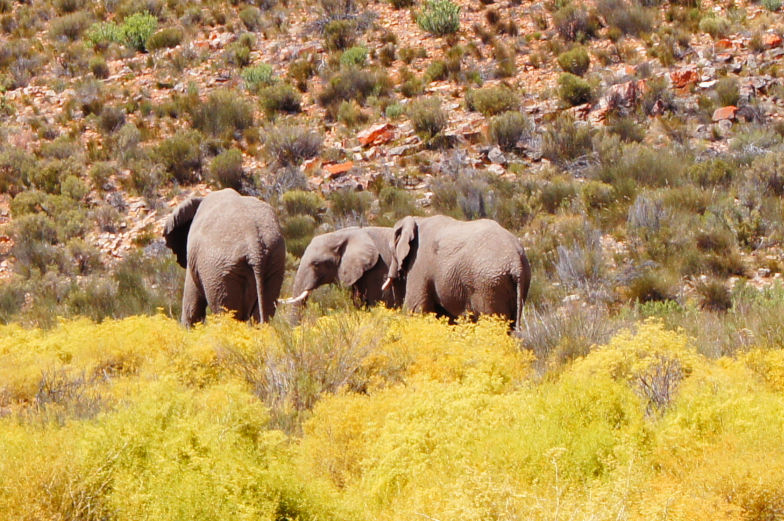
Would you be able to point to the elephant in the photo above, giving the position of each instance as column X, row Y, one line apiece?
column 356, row 257
column 453, row 267
column 233, row 252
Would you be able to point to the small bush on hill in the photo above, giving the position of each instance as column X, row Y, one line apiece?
column 70, row 26
column 573, row 89
column 258, row 76
column 137, row 29
column 340, row 34
column 165, row 39
column 492, row 100
column 300, row 202
column 427, row 116
column 226, row 169
column 180, row 155
column 354, row 57
column 223, row 112
column 291, row 145
column 439, row 17
column 508, row 128
column 280, row 97
column 575, row 61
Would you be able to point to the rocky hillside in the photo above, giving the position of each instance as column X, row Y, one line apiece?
column 635, row 146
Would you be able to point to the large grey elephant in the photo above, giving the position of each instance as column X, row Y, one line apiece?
column 355, row 257
column 233, row 253
column 453, row 267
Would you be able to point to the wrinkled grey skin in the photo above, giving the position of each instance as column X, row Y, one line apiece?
column 453, row 267
column 233, row 253
column 355, row 257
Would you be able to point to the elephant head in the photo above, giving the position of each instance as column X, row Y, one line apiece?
column 177, row 226
column 344, row 256
column 404, row 239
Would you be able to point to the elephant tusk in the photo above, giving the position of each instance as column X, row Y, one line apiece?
column 386, row 284
column 302, row 296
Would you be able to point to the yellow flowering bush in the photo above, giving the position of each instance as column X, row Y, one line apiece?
column 378, row 415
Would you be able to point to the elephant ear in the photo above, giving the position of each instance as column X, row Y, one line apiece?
column 404, row 235
column 359, row 255
column 177, row 226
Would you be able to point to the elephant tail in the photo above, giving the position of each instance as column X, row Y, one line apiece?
column 259, row 278
column 523, row 280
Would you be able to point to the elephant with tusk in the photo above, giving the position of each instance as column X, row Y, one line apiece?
column 355, row 257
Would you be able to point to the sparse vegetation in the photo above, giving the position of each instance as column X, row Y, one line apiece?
column 439, row 17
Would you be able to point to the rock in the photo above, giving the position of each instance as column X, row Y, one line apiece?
column 496, row 169
column 495, row 156
column 377, row 134
column 622, row 94
column 682, row 78
column 725, row 125
column 771, row 41
column 725, row 113
column 724, row 44
column 707, row 84
column 335, row 170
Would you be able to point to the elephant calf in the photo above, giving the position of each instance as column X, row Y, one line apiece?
column 232, row 249
column 452, row 267
column 356, row 257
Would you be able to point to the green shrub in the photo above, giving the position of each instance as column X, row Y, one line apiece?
column 573, row 89
column 597, row 195
column 111, row 119
column 772, row 5
column 349, row 204
column 492, row 100
column 226, row 169
column 291, row 145
column 237, row 54
column 224, row 111
column 340, row 34
column 68, row 6
column 355, row 56
column 728, row 91
column 505, row 60
column 714, row 295
column 104, row 33
column 627, row 16
column 714, row 172
column 99, row 68
column 412, row 85
column 573, row 22
column 427, row 116
column 251, row 17
column 626, row 128
column 137, row 28
column 258, row 76
column 565, row 140
column 300, row 202
column 399, row 203
column 555, row 194
column 298, row 231
column 353, row 84
column 575, row 60
column 180, row 155
column 165, row 39
column 280, row 97
column 69, row 26
column 508, row 128
column 439, row 17
column 436, row 71
column 394, row 111
column 350, row 114
column 301, row 71
column 716, row 26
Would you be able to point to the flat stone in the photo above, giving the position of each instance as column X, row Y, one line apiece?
column 725, row 113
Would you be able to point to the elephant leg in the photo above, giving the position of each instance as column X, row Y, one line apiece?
column 272, row 283
column 497, row 297
column 194, row 304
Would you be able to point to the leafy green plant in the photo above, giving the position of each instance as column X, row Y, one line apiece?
column 258, row 76
column 575, row 60
column 354, row 57
column 573, row 89
column 165, row 39
column 427, row 116
column 508, row 128
column 492, row 100
column 439, row 17
column 137, row 28
column 280, row 97
column 226, row 169
column 181, row 156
